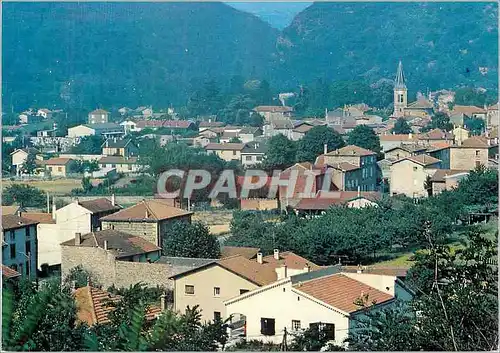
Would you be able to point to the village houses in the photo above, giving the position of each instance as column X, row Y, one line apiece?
column 98, row 116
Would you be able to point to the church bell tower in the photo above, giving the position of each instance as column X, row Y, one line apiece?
column 400, row 93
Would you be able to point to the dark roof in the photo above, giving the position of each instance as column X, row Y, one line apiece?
column 184, row 261
column 211, row 124
column 476, row 142
column 99, row 205
column 119, row 243
column 249, row 130
column 254, row 147
column 10, row 221
column 411, row 148
column 148, row 210
column 421, row 159
column 99, row 111
column 7, row 272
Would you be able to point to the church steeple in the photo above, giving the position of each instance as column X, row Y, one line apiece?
column 400, row 92
column 399, row 81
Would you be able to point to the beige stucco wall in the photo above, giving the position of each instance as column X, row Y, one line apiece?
column 284, row 304
column 253, row 159
column 57, row 170
column 204, row 282
column 80, row 131
column 228, row 155
column 466, row 158
column 397, row 154
column 19, row 158
column 405, row 180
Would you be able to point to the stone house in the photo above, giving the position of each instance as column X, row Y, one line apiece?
column 471, row 153
column 271, row 112
column 436, row 136
column 409, row 175
column 276, row 127
column 120, row 259
column 359, row 157
column 98, row 116
column 120, row 164
column 388, row 140
column 226, row 151
column 211, row 284
column 470, row 111
column 149, row 219
column 19, row 244
column 119, row 147
column 403, row 151
column 446, row 179
column 248, row 134
column 492, row 116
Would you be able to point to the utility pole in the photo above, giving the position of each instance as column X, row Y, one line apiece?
column 48, row 203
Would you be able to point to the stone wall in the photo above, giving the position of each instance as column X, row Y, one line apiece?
column 122, row 274
column 466, row 158
column 146, row 230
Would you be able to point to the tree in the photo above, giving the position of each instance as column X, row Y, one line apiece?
column 29, row 166
column 472, row 96
column 79, row 277
column 25, row 195
column 88, row 145
column 475, row 125
column 480, row 187
column 234, row 140
column 86, row 184
column 281, row 153
column 364, row 136
column 440, row 120
column 190, row 240
column 312, row 144
column 401, row 127
column 313, row 339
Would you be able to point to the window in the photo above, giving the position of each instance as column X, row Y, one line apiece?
column 243, row 291
column 234, row 153
column 28, row 247
column 130, row 167
column 259, row 158
column 295, row 325
column 217, row 316
column 478, row 163
column 415, row 169
column 216, row 291
column 113, row 165
column 59, row 169
column 267, row 326
column 117, row 151
column 28, row 232
column 50, row 168
column 477, row 153
column 189, row 289
column 248, row 158
column 12, row 235
column 12, row 251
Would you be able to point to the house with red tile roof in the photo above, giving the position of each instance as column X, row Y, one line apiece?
column 329, row 298
column 409, row 175
column 209, row 285
column 93, row 306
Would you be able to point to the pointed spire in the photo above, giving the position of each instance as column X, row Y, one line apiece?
column 399, row 81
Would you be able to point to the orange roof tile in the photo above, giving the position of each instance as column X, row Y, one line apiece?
column 7, row 272
column 40, row 217
column 340, row 291
column 148, row 210
column 476, row 142
column 350, row 151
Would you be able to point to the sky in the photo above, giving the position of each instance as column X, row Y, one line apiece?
column 278, row 14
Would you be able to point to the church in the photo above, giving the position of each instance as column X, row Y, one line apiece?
column 421, row 108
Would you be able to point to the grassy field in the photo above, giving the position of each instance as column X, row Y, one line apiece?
column 53, row 187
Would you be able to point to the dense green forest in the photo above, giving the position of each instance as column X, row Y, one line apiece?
column 82, row 55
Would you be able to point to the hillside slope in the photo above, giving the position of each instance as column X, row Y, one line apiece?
column 126, row 53
column 441, row 44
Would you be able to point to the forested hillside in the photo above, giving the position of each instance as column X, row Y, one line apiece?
column 82, row 55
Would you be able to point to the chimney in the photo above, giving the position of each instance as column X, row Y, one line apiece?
column 410, row 136
column 325, row 148
column 106, row 245
column 307, row 268
column 285, row 272
column 113, row 202
column 276, row 254
column 259, row 258
column 76, row 201
column 360, row 269
column 359, row 191
column 489, row 142
column 78, row 238
column 163, row 302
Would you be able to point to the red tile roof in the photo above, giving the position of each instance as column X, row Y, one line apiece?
column 148, row 210
column 99, row 205
column 436, row 134
column 421, row 159
column 55, row 161
column 351, row 150
column 94, row 305
column 7, row 272
column 40, row 217
column 476, row 142
column 341, row 292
